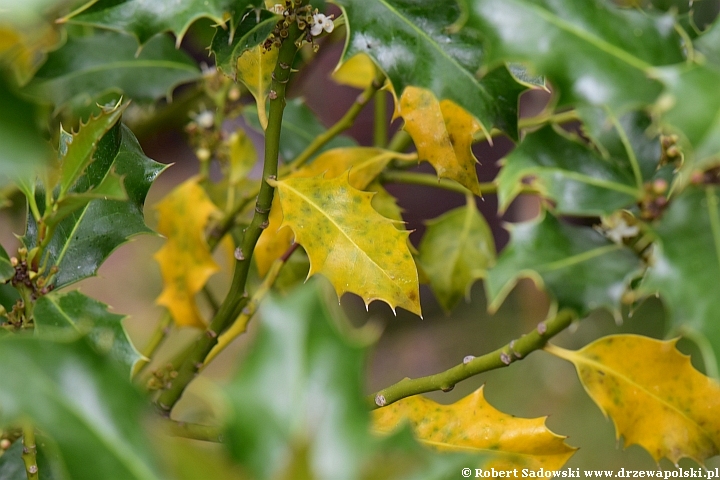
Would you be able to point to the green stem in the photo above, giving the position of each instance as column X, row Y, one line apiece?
column 429, row 180
column 29, row 453
column 194, row 431
column 380, row 134
column 158, row 336
column 237, row 297
column 343, row 124
column 400, row 141
column 471, row 366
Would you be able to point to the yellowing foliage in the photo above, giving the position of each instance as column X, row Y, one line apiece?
column 653, row 394
column 443, row 134
column 364, row 163
column 358, row 72
column 185, row 259
column 254, row 70
column 356, row 248
column 472, row 424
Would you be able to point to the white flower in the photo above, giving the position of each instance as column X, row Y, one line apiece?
column 320, row 23
column 205, row 119
column 278, row 8
column 619, row 229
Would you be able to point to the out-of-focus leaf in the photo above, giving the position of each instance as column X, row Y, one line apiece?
column 577, row 266
column 185, row 260
column 414, row 46
column 12, row 466
column 23, row 46
column 709, row 44
column 78, row 150
column 78, row 398
column 297, row 410
column 145, row 19
column 243, row 156
column 192, row 460
column 385, row 204
column 473, row 424
column 357, row 71
column 627, row 142
column 67, row 315
column 7, row 271
column 575, row 177
column 692, row 104
column 592, row 51
column 253, row 29
column 84, row 239
column 22, row 146
column 685, row 264
column 8, row 296
column 348, row 242
column 300, row 126
column 456, row 250
column 653, row 394
column 364, row 164
column 443, row 134
column 85, row 68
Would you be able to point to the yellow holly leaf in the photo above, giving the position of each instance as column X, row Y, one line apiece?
column 653, row 394
column 185, row 259
column 358, row 71
column 364, row 163
column 472, row 424
column 356, row 248
column 254, row 70
column 243, row 156
column 443, row 134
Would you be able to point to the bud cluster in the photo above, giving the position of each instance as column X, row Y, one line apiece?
column 307, row 19
column 31, row 282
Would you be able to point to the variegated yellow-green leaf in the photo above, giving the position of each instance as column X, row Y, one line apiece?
column 254, row 69
column 456, row 249
column 653, row 394
column 356, row 248
column 185, row 260
column 358, row 72
column 472, row 424
column 364, row 163
column 443, row 134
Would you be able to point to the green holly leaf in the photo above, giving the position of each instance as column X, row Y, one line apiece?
column 415, row 47
column 709, row 44
column 22, row 146
column 575, row 177
column 251, row 31
column 692, row 113
column 8, row 296
column 299, row 128
column 685, row 264
column 577, row 266
column 80, row 399
column 592, row 52
column 86, row 237
column 145, row 19
column 7, row 271
column 63, row 315
column 456, row 250
column 85, row 68
column 298, row 401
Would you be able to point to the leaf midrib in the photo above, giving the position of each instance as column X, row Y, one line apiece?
column 322, row 212
column 124, row 64
column 576, row 259
column 579, row 358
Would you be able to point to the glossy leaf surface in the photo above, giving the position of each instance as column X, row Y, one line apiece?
column 78, row 398
column 364, row 164
column 472, row 424
column 443, row 134
column 297, row 409
column 85, row 68
column 145, row 19
column 185, row 260
column 413, row 46
column 653, row 394
column 84, row 239
column 577, row 266
column 456, row 250
column 685, row 264
column 575, row 177
column 69, row 315
column 592, row 51
column 352, row 245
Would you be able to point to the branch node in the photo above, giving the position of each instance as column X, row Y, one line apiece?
column 448, row 388
column 380, row 401
column 239, row 255
column 273, row 95
column 542, row 328
column 468, row 359
column 211, row 333
column 505, row 358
